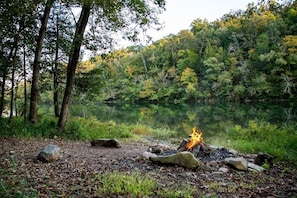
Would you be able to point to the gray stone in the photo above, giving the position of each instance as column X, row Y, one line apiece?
column 146, row 155
column 239, row 163
column 223, row 170
column 112, row 143
column 232, row 151
column 255, row 167
column 49, row 153
column 158, row 149
column 185, row 159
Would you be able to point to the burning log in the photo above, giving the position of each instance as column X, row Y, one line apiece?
column 195, row 144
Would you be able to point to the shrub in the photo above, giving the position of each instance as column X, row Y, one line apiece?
column 265, row 137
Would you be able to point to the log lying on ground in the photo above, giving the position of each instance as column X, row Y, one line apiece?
column 111, row 143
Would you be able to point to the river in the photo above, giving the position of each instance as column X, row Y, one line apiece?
column 210, row 118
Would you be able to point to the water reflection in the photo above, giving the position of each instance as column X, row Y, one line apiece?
column 210, row 118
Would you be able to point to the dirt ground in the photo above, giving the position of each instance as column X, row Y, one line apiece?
column 70, row 176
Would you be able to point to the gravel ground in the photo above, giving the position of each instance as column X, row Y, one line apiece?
column 72, row 175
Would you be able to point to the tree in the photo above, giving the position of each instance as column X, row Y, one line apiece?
column 57, row 43
column 110, row 15
column 189, row 79
column 16, row 24
column 36, row 66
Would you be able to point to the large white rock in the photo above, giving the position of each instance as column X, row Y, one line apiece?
column 185, row 159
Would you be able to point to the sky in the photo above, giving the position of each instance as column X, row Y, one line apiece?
column 180, row 14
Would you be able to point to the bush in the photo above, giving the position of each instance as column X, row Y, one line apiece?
column 46, row 127
column 265, row 137
column 77, row 129
column 91, row 128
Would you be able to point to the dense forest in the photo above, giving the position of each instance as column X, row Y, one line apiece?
column 246, row 55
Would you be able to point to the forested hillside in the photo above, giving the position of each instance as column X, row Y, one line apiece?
column 246, row 55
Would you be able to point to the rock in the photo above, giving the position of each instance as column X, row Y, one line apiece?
column 264, row 158
column 213, row 164
column 213, row 147
column 223, row 170
column 49, row 153
column 158, row 149
column 237, row 162
column 185, row 159
column 255, row 167
column 112, row 143
column 146, row 155
column 232, row 151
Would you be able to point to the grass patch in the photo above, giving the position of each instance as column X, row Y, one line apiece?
column 90, row 128
column 136, row 184
column 264, row 137
column 79, row 128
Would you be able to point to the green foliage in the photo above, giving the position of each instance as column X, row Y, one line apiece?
column 266, row 165
column 136, row 184
column 250, row 55
column 116, row 183
column 264, row 137
column 91, row 128
column 45, row 128
column 77, row 129
column 185, row 191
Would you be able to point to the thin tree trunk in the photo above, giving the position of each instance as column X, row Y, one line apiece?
column 56, row 73
column 12, row 95
column 4, row 76
column 36, row 67
column 56, row 92
column 73, row 60
column 144, row 63
column 25, row 85
column 16, row 110
column 5, row 73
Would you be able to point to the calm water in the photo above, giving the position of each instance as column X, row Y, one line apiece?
column 210, row 118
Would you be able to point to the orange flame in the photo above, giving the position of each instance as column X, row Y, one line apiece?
column 196, row 138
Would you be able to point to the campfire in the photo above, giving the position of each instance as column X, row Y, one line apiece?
column 195, row 138
column 195, row 144
column 195, row 153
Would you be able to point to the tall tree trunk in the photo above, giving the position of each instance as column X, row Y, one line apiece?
column 73, row 60
column 56, row 92
column 36, row 67
column 56, row 73
column 16, row 110
column 12, row 95
column 9, row 61
column 25, row 85
column 4, row 76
